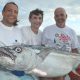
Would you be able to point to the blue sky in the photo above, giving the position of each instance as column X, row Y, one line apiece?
column 72, row 8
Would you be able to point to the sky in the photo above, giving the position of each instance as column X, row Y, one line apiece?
column 72, row 8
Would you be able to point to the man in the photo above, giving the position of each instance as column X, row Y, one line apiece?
column 32, row 34
column 9, row 33
column 60, row 36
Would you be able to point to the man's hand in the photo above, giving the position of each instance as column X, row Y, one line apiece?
column 73, row 76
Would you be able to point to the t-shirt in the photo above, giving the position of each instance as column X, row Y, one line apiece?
column 63, row 39
column 30, row 38
column 9, row 35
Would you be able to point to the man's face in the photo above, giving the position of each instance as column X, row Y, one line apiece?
column 60, row 16
column 10, row 14
column 36, row 20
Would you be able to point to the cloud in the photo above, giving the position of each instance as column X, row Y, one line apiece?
column 25, row 6
column 72, row 8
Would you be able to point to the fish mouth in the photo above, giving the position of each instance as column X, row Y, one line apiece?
column 7, row 52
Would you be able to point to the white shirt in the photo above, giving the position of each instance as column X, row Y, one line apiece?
column 60, row 38
column 9, row 35
column 30, row 38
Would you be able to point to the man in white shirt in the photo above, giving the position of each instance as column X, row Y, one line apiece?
column 59, row 36
column 31, row 34
column 9, row 33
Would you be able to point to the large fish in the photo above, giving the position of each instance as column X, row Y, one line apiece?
column 39, row 60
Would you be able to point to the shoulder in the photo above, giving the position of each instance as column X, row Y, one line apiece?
column 17, row 30
column 39, row 32
column 25, row 28
column 2, row 25
column 49, row 28
column 71, row 30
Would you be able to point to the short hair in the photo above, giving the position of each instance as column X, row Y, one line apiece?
column 36, row 12
column 15, row 23
column 61, row 9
